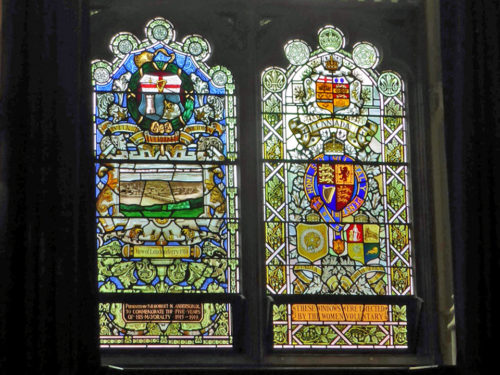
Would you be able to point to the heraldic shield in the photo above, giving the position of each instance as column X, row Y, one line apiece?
column 332, row 93
column 160, row 95
column 363, row 241
column 335, row 186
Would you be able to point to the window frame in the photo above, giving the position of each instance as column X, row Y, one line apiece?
column 431, row 188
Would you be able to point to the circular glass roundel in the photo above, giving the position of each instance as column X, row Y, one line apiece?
column 101, row 75
column 365, row 55
column 197, row 47
column 331, row 39
column 220, row 78
column 389, row 84
column 123, row 43
column 160, row 32
column 125, row 46
column 274, row 80
column 297, row 52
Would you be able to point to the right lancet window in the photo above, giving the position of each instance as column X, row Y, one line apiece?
column 336, row 195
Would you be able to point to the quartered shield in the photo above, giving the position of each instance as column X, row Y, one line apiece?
column 363, row 242
column 332, row 93
column 335, row 186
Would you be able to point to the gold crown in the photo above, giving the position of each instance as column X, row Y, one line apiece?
column 313, row 217
column 331, row 64
column 333, row 147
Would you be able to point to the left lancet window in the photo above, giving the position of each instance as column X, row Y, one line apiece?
column 166, row 191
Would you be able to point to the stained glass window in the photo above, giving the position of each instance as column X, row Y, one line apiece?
column 166, row 190
column 336, row 194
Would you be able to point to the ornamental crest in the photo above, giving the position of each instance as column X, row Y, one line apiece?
column 160, row 94
column 335, row 186
column 332, row 93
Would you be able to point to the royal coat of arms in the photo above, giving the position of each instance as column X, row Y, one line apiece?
column 335, row 186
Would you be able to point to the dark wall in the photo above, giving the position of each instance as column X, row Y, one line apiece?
column 471, row 83
column 45, row 236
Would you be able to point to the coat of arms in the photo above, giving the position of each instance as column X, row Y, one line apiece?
column 335, row 186
column 332, row 93
column 160, row 95
column 363, row 242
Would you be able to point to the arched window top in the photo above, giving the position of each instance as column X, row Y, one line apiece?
column 329, row 83
column 203, row 113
